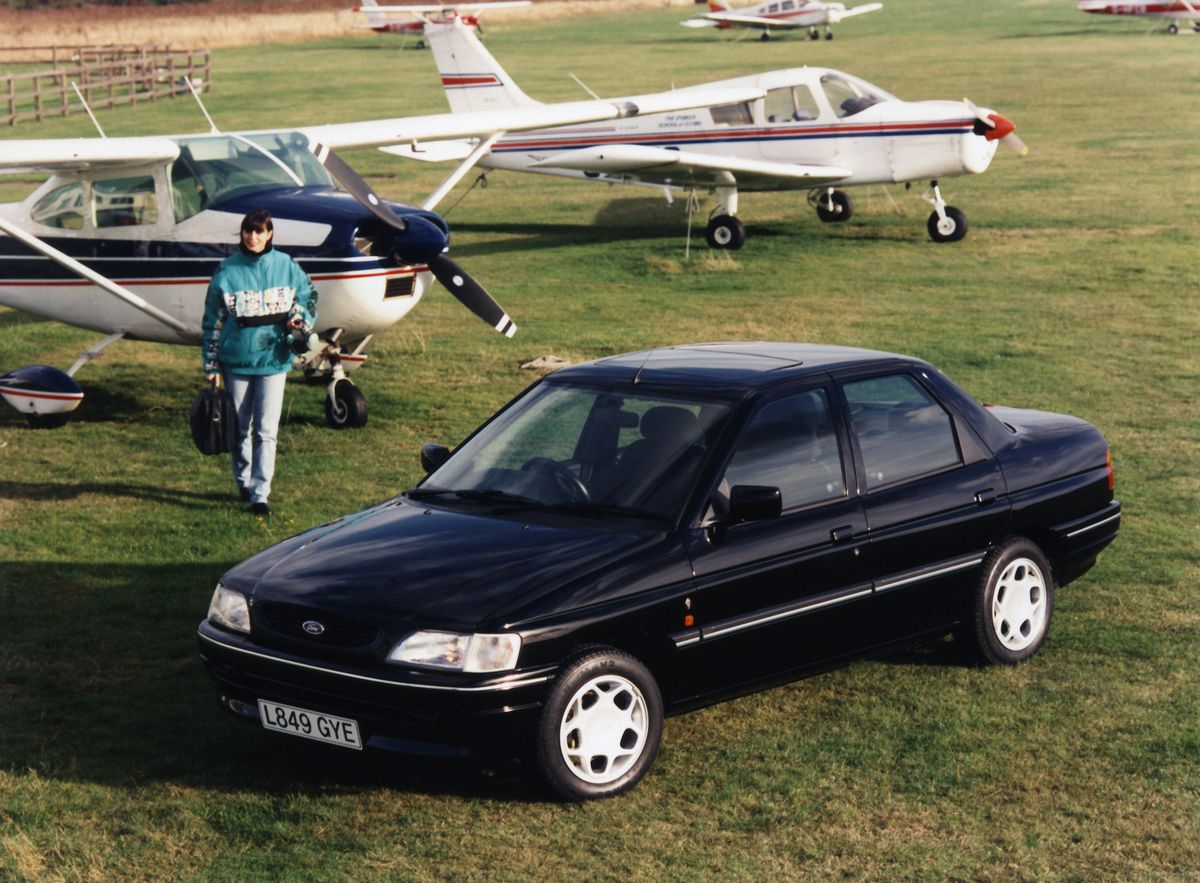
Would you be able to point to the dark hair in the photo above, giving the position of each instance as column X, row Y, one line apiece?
column 259, row 219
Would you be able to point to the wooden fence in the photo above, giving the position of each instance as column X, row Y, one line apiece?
column 107, row 76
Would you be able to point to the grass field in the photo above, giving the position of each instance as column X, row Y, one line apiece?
column 1076, row 290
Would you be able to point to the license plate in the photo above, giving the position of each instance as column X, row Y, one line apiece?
column 307, row 724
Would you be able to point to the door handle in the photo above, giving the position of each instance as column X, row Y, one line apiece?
column 841, row 534
column 987, row 495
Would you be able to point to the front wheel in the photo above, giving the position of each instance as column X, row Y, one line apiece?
column 347, row 407
column 1013, row 603
column 951, row 228
column 601, row 726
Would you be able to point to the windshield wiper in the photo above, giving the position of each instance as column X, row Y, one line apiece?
column 591, row 508
column 479, row 495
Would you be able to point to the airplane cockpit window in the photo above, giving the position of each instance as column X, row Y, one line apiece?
column 790, row 104
column 773, row 8
column 848, row 97
column 228, row 165
column 188, row 195
column 62, row 207
column 732, row 115
column 124, row 202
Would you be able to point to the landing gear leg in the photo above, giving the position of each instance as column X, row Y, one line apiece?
column 946, row 224
column 724, row 229
column 345, row 405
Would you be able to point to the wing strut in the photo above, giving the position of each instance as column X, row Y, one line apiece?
column 95, row 278
column 465, row 166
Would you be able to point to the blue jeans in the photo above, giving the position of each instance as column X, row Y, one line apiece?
column 258, row 400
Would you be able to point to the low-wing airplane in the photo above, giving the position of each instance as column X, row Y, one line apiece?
column 1174, row 11
column 124, row 236
column 778, row 15
column 812, row 129
column 381, row 19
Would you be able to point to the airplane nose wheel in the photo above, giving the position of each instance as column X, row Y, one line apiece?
column 725, row 231
column 946, row 224
column 345, row 406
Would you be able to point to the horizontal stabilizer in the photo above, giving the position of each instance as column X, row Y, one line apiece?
column 698, row 23
column 432, row 151
column 859, row 10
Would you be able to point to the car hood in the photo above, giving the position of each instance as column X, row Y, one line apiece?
column 404, row 562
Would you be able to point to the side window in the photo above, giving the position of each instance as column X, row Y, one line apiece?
column 847, row 98
column 124, row 202
column 62, row 207
column 732, row 115
column 806, row 104
column 791, row 444
column 777, row 106
column 902, row 431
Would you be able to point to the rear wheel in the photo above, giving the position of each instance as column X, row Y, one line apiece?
column 725, row 231
column 347, row 407
column 601, row 726
column 835, row 207
column 1013, row 603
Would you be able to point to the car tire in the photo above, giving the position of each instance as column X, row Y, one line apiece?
column 601, row 725
column 1014, row 602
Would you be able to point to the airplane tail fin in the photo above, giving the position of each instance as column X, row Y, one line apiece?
column 719, row 6
column 374, row 19
column 472, row 78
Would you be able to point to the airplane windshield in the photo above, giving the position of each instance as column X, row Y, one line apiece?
column 211, row 168
column 848, row 95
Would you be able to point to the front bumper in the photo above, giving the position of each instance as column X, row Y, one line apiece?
column 400, row 710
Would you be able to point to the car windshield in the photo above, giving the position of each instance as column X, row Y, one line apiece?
column 585, row 450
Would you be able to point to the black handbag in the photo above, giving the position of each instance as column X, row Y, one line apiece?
column 213, row 420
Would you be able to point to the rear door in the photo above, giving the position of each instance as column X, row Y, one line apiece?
column 933, row 496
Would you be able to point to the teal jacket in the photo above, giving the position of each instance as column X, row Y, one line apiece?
column 250, row 299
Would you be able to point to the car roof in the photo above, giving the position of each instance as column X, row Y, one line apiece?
column 726, row 365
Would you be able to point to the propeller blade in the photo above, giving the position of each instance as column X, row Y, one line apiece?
column 1015, row 144
column 458, row 281
column 353, row 182
column 471, row 294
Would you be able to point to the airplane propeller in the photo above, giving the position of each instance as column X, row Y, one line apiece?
column 424, row 242
column 998, row 128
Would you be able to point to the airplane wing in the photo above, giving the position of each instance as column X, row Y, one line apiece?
column 75, row 154
column 446, row 126
column 661, row 165
column 733, row 18
column 432, row 151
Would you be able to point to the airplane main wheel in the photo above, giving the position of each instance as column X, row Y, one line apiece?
column 765, row 36
column 347, row 407
column 842, row 209
column 949, row 229
column 725, row 231
column 829, row 35
column 1172, row 28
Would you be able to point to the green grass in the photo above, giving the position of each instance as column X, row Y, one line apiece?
column 1076, row 290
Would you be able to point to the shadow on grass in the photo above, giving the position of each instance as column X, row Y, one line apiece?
column 101, row 682
column 54, row 491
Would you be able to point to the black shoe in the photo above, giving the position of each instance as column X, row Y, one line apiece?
column 245, row 492
column 262, row 510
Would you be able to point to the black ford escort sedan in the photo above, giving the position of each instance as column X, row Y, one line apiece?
column 651, row 532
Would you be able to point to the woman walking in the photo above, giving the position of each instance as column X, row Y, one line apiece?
column 257, row 296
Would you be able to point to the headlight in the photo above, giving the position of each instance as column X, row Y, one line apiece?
column 466, row 653
column 229, row 609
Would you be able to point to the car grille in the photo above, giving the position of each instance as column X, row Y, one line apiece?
column 286, row 620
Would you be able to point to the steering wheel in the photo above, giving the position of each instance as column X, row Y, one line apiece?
column 564, row 479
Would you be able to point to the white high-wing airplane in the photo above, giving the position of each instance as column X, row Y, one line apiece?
column 811, row 129
column 124, row 236
column 1174, row 11
column 778, row 15
column 382, row 19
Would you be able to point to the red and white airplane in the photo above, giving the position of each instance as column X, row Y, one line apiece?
column 1174, row 11
column 814, row 129
column 381, row 19
column 124, row 235
column 778, row 15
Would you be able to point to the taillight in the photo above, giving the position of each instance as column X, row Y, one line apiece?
column 1112, row 479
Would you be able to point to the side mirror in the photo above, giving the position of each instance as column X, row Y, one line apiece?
column 433, row 456
column 751, row 502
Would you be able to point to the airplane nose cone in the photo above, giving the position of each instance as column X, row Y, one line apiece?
column 421, row 241
column 1001, row 126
